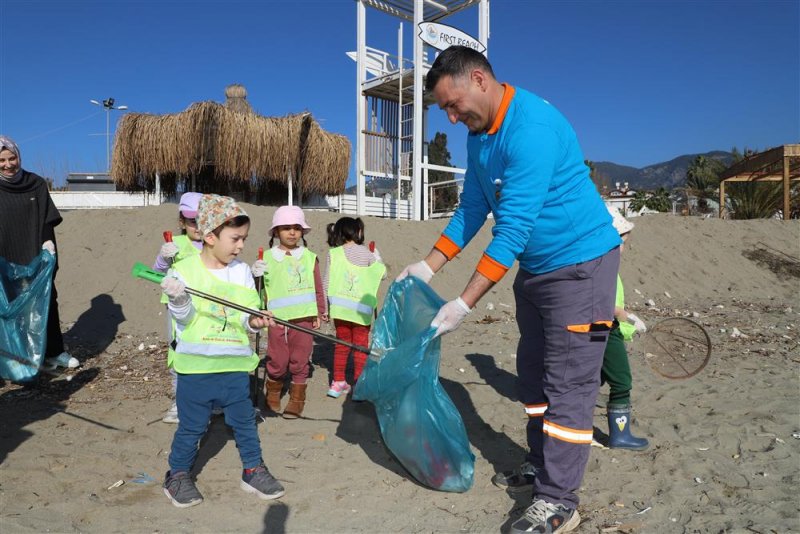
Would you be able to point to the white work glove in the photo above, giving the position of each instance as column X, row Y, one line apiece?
column 50, row 247
column 421, row 270
column 168, row 250
column 175, row 290
column 637, row 323
column 450, row 316
column 259, row 268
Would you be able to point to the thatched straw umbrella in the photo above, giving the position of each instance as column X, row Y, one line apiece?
column 229, row 149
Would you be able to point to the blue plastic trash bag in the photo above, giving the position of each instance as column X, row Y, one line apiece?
column 418, row 421
column 24, row 305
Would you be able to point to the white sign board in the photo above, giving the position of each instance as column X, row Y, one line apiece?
column 442, row 36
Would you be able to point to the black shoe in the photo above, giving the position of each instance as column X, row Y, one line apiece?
column 518, row 480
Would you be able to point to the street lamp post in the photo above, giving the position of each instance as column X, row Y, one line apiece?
column 108, row 104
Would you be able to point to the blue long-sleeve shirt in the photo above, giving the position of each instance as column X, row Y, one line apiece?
column 528, row 171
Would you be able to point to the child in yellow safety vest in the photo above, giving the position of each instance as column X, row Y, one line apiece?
column 293, row 292
column 352, row 276
column 189, row 243
column 211, row 351
column 616, row 370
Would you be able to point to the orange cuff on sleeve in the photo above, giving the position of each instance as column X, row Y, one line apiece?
column 491, row 269
column 446, row 246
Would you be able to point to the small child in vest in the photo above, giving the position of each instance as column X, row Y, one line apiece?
column 211, row 352
column 190, row 242
column 616, row 370
column 352, row 276
column 292, row 292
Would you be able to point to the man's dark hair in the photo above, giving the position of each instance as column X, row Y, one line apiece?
column 454, row 62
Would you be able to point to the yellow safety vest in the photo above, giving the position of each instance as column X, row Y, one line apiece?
column 289, row 284
column 185, row 250
column 215, row 340
column 626, row 329
column 353, row 290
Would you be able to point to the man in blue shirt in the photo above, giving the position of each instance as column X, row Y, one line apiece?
column 526, row 168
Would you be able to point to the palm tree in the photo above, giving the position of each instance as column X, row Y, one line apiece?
column 659, row 201
column 702, row 180
column 756, row 200
column 638, row 201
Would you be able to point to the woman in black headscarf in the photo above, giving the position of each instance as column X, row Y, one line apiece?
column 28, row 219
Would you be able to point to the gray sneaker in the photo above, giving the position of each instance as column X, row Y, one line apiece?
column 171, row 415
column 545, row 518
column 259, row 481
column 518, row 480
column 181, row 490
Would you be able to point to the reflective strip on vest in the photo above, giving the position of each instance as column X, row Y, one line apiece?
column 351, row 305
column 283, row 302
column 218, row 350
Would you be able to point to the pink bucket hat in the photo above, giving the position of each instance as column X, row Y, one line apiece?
column 214, row 210
column 189, row 203
column 289, row 216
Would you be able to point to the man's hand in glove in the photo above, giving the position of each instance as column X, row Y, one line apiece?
column 637, row 323
column 49, row 246
column 450, row 316
column 169, row 250
column 175, row 290
column 259, row 268
column 421, row 270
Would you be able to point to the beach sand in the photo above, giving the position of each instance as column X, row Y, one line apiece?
column 725, row 444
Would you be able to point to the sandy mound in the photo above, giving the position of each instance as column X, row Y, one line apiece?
column 723, row 455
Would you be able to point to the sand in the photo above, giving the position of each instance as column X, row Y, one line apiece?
column 725, row 447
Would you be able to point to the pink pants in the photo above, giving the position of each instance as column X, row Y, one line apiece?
column 289, row 350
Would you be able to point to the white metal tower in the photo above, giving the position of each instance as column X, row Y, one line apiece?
column 392, row 107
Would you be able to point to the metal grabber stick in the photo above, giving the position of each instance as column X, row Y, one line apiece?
column 259, row 385
column 144, row 272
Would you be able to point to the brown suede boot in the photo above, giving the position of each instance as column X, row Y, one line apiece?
column 297, row 401
column 272, row 395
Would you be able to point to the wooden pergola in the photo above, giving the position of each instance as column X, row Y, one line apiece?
column 775, row 165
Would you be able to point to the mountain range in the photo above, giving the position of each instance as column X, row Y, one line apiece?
column 668, row 174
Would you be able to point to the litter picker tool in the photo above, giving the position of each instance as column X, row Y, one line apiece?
column 676, row 348
column 259, row 385
column 144, row 272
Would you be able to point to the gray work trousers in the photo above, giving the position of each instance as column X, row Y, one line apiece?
column 564, row 318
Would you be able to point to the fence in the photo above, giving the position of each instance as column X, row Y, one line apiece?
column 87, row 200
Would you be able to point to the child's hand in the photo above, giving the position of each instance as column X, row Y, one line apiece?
column 377, row 254
column 175, row 290
column 315, row 324
column 168, row 250
column 259, row 268
column 325, row 317
column 257, row 323
column 638, row 324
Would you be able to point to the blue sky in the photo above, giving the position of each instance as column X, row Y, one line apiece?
column 642, row 81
